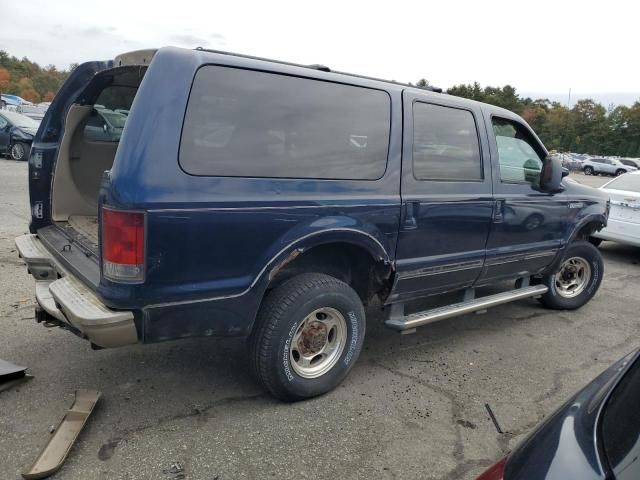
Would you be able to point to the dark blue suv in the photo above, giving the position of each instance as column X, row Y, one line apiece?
column 249, row 197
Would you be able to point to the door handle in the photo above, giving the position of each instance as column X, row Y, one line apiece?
column 498, row 210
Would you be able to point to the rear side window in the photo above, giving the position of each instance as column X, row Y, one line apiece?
column 517, row 155
column 445, row 144
column 243, row 123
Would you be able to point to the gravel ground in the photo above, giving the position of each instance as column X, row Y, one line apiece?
column 413, row 407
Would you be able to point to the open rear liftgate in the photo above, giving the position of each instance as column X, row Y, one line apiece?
column 407, row 323
column 57, row 448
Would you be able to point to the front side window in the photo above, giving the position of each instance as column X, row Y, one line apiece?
column 244, row 123
column 445, row 144
column 518, row 159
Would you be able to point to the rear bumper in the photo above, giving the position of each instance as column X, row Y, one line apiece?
column 67, row 299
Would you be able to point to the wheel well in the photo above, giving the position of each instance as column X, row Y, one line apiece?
column 587, row 230
column 350, row 263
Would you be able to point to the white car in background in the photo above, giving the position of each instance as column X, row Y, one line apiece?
column 607, row 166
column 624, row 218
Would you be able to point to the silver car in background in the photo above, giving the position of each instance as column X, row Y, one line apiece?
column 608, row 166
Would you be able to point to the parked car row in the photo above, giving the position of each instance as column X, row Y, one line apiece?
column 598, row 165
column 607, row 166
column 14, row 103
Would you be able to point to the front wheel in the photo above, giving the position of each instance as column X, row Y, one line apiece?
column 19, row 151
column 577, row 280
column 588, row 170
column 308, row 335
column 620, row 172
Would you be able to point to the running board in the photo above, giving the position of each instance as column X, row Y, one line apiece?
column 410, row 322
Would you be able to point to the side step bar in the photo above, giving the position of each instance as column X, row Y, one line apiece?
column 410, row 322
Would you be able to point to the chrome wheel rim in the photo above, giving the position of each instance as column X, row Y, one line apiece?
column 318, row 342
column 573, row 277
column 17, row 151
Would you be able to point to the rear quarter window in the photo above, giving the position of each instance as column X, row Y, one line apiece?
column 244, row 123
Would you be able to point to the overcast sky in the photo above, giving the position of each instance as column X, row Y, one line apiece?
column 537, row 46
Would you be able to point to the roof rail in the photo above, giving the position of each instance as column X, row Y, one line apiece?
column 320, row 67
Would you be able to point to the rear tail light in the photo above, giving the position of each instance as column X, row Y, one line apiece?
column 495, row 471
column 123, row 245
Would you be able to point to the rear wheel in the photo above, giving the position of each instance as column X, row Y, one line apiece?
column 308, row 335
column 19, row 151
column 588, row 170
column 577, row 280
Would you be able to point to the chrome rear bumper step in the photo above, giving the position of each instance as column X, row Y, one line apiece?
column 410, row 322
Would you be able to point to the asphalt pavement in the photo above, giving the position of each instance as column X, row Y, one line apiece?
column 413, row 406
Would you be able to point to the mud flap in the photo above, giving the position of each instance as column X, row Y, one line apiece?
column 57, row 448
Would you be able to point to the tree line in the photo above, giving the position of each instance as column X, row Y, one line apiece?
column 28, row 79
column 586, row 127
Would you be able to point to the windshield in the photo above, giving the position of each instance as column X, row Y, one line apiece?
column 20, row 121
column 116, row 120
column 629, row 183
column 621, row 426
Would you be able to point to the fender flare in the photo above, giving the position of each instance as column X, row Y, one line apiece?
column 593, row 218
column 336, row 234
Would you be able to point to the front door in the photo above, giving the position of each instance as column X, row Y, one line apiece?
column 446, row 196
column 528, row 225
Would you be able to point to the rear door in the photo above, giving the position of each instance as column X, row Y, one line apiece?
column 446, row 196
column 528, row 225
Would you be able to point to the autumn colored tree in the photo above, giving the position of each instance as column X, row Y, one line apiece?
column 48, row 96
column 588, row 127
column 5, row 79
column 19, row 75
column 30, row 94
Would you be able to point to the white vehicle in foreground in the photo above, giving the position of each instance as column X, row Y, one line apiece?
column 624, row 219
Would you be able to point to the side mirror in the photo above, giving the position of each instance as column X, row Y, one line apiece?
column 552, row 174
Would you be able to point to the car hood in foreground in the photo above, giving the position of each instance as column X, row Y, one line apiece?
column 564, row 446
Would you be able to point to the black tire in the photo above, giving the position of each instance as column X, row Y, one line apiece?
column 620, row 172
column 19, row 151
column 588, row 170
column 555, row 298
column 281, row 316
column 595, row 241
